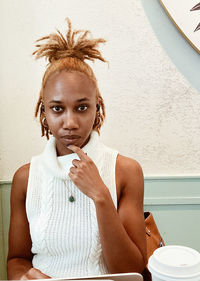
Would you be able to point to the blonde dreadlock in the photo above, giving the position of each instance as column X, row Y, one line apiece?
column 69, row 54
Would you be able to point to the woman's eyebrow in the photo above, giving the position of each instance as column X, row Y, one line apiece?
column 83, row 99
column 55, row 101
column 79, row 100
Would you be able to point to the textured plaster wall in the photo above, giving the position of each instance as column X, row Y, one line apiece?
column 152, row 111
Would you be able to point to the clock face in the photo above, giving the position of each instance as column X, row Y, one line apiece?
column 185, row 14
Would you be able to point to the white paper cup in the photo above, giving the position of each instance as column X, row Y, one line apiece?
column 172, row 263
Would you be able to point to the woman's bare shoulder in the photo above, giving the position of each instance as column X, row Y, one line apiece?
column 22, row 173
column 128, row 165
column 129, row 173
column 20, row 178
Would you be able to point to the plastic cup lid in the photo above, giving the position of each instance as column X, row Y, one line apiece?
column 175, row 262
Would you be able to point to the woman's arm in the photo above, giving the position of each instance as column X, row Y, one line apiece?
column 19, row 261
column 122, row 231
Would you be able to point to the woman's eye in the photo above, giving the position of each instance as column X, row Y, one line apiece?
column 82, row 108
column 57, row 108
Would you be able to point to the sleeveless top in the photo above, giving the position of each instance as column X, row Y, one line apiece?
column 65, row 236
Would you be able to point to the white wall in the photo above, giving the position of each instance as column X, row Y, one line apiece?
column 152, row 111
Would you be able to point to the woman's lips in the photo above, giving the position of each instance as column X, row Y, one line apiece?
column 70, row 139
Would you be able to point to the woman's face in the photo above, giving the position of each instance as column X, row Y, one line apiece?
column 70, row 108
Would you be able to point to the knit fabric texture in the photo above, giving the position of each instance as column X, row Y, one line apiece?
column 65, row 236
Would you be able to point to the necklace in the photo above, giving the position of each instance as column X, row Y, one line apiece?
column 71, row 197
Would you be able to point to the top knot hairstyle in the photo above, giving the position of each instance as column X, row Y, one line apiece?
column 69, row 53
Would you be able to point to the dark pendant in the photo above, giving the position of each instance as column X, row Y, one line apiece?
column 71, row 199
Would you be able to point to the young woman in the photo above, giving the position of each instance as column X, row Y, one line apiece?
column 77, row 208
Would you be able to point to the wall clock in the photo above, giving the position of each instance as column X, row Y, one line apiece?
column 185, row 14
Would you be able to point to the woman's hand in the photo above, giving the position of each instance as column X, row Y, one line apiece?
column 34, row 273
column 85, row 175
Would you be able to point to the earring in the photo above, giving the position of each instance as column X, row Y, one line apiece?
column 44, row 122
column 97, row 119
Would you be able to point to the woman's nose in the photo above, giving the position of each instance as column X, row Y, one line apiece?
column 70, row 121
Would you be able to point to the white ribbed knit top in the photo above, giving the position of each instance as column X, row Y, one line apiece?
column 65, row 236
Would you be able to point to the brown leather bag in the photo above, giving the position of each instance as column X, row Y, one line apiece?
column 153, row 238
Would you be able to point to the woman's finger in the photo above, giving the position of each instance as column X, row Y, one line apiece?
column 82, row 155
column 72, row 170
column 76, row 163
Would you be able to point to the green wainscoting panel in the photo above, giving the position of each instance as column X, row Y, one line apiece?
column 174, row 202
column 4, row 225
column 2, row 251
